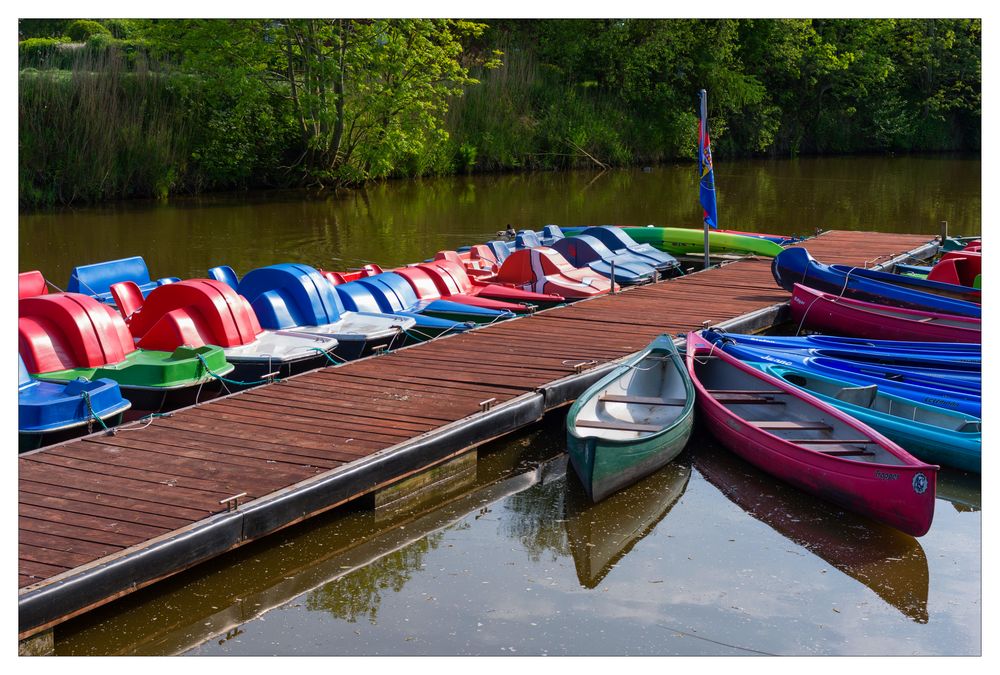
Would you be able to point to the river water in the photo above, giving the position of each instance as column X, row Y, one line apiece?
column 706, row 557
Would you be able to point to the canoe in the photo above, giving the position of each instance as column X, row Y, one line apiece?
column 584, row 252
column 808, row 443
column 796, row 266
column 619, row 242
column 964, row 351
column 50, row 412
column 928, row 432
column 65, row 336
column 681, row 240
column 201, row 312
column 944, row 289
column 632, row 421
column 827, row 312
column 906, row 384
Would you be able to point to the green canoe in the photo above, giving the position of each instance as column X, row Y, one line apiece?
column 687, row 241
column 632, row 421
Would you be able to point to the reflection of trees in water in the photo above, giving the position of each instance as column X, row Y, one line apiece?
column 533, row 518
column 359, row 593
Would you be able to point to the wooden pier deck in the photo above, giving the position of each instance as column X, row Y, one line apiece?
column 102, row 516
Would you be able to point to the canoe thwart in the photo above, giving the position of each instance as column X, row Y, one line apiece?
column 760, row 392
column 618, row 425
column 781, row 425
column 641, row 400
column 831, row 441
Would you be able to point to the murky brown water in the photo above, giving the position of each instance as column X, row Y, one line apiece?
column 399, row 222
column 708, row 556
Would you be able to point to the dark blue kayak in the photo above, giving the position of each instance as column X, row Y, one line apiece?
column 795, row 265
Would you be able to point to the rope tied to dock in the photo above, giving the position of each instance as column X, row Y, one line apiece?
column 226, row 380
column 90, row 411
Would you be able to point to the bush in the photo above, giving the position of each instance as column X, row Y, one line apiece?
column 35, row 51
column 81, row 29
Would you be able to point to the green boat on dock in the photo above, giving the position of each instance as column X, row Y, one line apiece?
column 631, row 422
column 689, row 241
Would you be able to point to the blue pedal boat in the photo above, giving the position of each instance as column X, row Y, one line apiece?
column 395, row 295
column 585, row 251
column 96, row 279
column 50, row 412
column 358, row 297
column 796, row 265
column 619, row 241
column 289, row 297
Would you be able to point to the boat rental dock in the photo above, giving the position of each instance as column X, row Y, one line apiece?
column 102, row 516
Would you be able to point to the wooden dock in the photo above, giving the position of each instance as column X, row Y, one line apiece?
column 102, row 516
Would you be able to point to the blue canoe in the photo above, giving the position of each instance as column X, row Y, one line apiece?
column 48, row 412
column 290, row 297
column 618, row 241
column 96, row 279
column 795, row 265
column 586, row 251
column 928, row 432
column 906, row 384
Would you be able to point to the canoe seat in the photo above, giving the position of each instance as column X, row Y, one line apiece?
column 745, row 398
column 642, row 400
column 618, row 425
column 863, row 396
column 782, row 425
column 848, row 453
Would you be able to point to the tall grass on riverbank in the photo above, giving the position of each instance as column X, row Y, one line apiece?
column 99, row 131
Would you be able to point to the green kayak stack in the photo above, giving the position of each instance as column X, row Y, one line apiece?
column 688, row 241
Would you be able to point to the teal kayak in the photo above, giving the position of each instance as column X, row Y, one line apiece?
column 927, row 432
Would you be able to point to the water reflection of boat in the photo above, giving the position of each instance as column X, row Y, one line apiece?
column 962, row 489
column 889, row 562
column 601, row 534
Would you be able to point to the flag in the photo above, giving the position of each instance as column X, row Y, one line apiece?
column 706, row 181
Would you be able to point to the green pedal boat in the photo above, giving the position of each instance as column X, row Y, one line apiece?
column 689, row 241
column 63, row 336
column 631, row 422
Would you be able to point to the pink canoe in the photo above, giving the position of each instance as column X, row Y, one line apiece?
column 845, row 316
column 794, row 436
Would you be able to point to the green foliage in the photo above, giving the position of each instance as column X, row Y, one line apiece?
column 81, row 29
column 232, row 104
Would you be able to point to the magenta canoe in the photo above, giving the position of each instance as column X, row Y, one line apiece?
column 796, row 437
column 846, row 316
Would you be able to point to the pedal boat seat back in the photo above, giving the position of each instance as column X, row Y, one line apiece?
column 96, row 279
column 193, row 312
column 62, row 331
column 288, row 295
column 225, row 274
column 30, row 284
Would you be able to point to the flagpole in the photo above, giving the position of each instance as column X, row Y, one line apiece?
column 701, row 144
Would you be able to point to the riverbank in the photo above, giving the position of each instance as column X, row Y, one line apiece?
column 188, row 107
